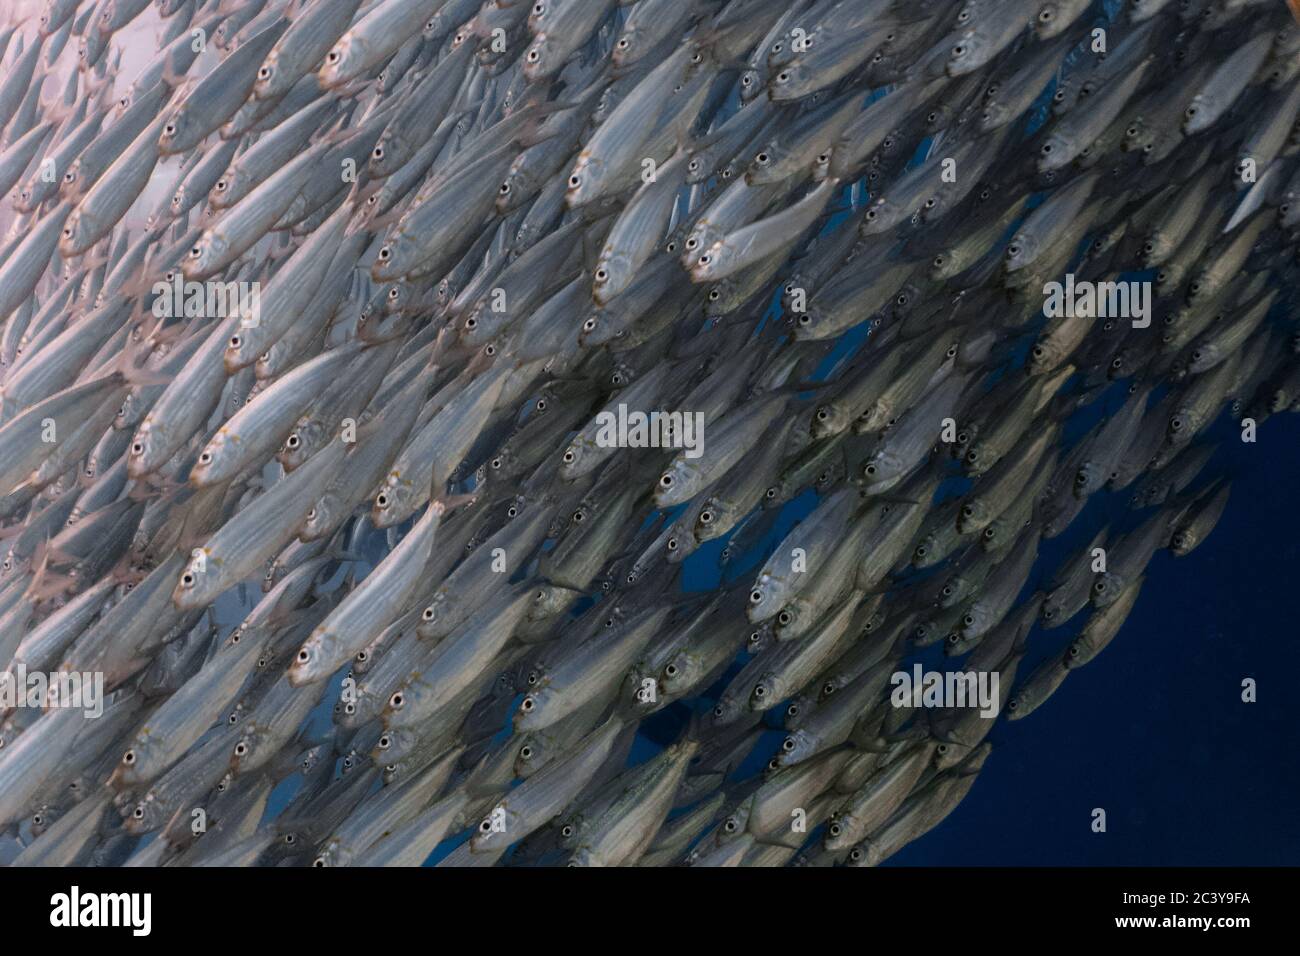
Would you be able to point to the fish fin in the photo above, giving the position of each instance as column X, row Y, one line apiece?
column 49, row 584
column 383, row 221
column 173, row 80
column 126, row 572
column 452, row 502
column 129, row 365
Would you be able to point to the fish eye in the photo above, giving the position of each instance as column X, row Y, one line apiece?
column 575, row 181
column 783, row 76
column 205, row 458
column 241, row 749
column 528, row 703
column 533, row 55
column 169, row 129
column 304, row 656
column 396, row 701
column 333, row 56
column 382, row 500
column 666, row 480
column 264, row 73
column 128, row 758
column 756, row 596
column 187, row 580
column 959, row 50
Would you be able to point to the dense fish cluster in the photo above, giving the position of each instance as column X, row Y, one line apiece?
column 463, row 324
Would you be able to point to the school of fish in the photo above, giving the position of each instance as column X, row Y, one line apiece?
column 827, row 228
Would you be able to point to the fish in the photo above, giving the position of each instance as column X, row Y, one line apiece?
column 814, row 234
